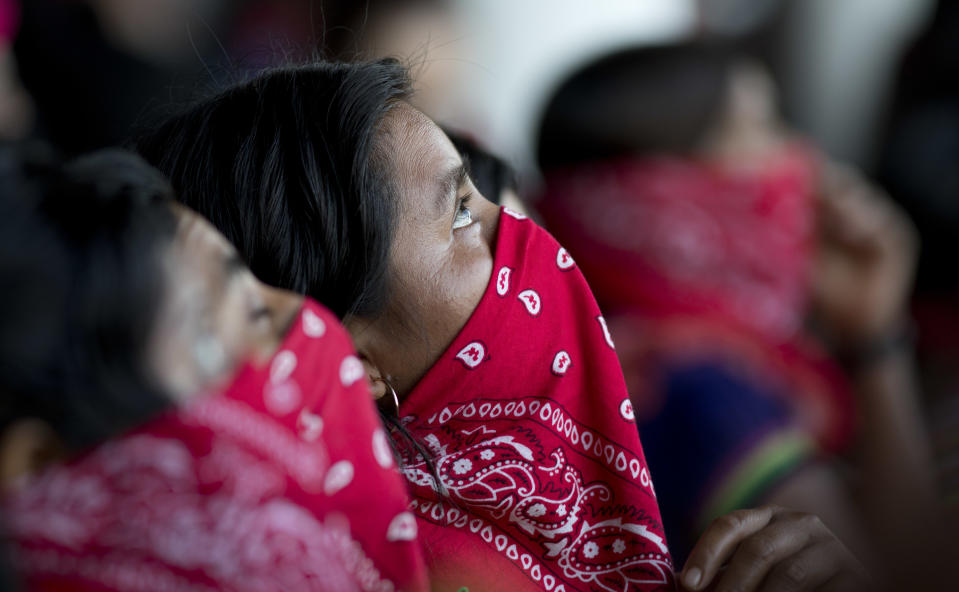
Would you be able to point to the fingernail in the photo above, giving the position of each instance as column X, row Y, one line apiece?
column 692, row 577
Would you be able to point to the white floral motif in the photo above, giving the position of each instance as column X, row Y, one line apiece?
column 381, row 449
column 282, row 398
column 513, row 213
column 619, row 546
column 512, row 491
column 462, row 466
column 473, row 354
column 537, row 510
column 487, row 455
column 310, row 425
column 283, row 365
column 313, row 325
column 339, row 476
column 402, row 527
column 351, row 370
column 590, row 549
column 563, row 259
column 531, row 300
column 502, row 280
column 209, row 532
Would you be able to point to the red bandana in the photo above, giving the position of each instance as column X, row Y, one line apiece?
column 677, row 236
column 257, row 489
column 669, row 240
column 534, row 440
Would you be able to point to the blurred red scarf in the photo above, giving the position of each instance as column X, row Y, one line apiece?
column 685, row 254
column 9, row 21
column 532, row 433
column 285, row 481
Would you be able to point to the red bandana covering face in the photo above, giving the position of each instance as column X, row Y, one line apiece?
column 533, row 436
column 285, row 481
column 683, row 253
column 679, row 236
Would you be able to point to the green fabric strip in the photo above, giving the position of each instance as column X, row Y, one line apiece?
column 778, row 454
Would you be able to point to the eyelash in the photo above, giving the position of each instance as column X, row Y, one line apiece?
column 460, row 208
column 259, row 314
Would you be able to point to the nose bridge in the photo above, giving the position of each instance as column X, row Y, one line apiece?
column 491, row 227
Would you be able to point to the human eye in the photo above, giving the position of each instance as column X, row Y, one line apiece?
column 464, row 217
column 257, row 311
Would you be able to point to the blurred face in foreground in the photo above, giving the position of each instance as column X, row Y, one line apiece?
column 214, row 314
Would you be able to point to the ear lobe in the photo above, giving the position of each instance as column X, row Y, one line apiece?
column 374, row 376
column 27, row 446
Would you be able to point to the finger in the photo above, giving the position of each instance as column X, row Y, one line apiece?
column 833, row 179
column 857, row 217
column 760, row 554
column 808, row 569
column 719, row 541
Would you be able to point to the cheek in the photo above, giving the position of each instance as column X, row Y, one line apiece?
column 441, row 288
column 458, row 286
column 470, row 270
column 234, row 331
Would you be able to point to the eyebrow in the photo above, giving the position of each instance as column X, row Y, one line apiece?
column 449, row 183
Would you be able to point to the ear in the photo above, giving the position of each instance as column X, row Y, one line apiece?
column 364, row 335
column 374, row 375
column 27, row 446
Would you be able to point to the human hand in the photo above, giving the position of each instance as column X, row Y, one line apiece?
column 865, row 264
column 771, row 549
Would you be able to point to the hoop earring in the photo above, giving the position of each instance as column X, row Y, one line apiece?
column 389, row 404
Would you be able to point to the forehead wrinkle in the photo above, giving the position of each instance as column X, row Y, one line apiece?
column 413, row 141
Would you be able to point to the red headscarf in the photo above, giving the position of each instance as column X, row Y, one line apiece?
column 285, row 481
column 543, row 481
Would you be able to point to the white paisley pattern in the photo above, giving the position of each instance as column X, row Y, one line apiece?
column 519, row 488
column 271, row 543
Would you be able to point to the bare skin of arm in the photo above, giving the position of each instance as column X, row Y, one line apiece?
column 862, row 281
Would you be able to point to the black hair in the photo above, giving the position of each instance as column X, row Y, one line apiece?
column 80, row 249
column 286, row 167
column 635, row 101
column 491, row 174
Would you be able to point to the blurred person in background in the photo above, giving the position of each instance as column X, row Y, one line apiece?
column 168, row 422
column 95, row 68
column 919, row 165
column 711, row 234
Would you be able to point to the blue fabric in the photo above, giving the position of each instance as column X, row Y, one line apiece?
column 710, row 419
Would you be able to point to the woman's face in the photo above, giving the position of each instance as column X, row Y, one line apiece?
column 441, row 258
column 214, row 314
